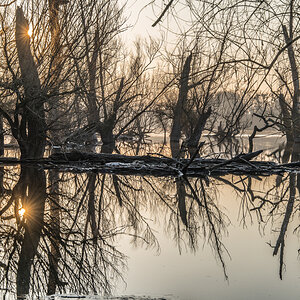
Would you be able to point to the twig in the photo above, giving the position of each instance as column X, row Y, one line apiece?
column 163, row 13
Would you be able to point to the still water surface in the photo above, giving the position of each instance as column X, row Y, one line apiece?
column 171, row 238
column 253, row 272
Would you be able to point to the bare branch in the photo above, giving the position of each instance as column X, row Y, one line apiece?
column 163, row 13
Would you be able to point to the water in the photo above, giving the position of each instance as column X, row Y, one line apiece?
column 253, row 272
column 133, row 237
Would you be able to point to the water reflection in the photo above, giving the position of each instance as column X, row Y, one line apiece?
column 66, row 241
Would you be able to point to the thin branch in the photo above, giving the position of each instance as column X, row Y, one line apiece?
column 163, row 13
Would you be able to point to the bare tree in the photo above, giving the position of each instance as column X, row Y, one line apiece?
column 115, row 81
column 31, row 131
column 262, row 39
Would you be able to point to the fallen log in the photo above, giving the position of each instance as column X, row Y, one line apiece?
column 242, row 164
column 239, row 158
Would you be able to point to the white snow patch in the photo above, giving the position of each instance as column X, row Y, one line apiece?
column 93, row 297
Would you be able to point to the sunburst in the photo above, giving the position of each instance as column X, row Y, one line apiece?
column 30, row 30
column 22, row 212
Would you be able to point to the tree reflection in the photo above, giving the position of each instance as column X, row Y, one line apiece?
column 30, row 193
column 21, row 232
column 84, row 259
column 276, row 205
column 51, row 247
column 66, row 239
column 294, row 184
column 193, row 214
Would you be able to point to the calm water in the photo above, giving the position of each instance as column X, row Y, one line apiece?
column 253, row 271
column 144, row 236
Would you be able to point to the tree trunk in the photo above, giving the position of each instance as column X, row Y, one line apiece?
column 107, row 137
column 55, row 115
column 54, row 229
column 287, row 123
column 32, row 132
column 93, row 111
column 32, row 191
column 91, row 205
column 296, row 92
column 1, row 153
column 181, row 198
column 1, row 136
column 194, row 139
column 182, row 97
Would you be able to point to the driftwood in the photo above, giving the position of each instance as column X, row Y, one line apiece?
column 75, row 161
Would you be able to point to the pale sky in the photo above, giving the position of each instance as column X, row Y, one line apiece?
column 141, row 17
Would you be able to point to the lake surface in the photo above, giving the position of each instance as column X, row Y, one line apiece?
column 253, row 271
column 134, row 237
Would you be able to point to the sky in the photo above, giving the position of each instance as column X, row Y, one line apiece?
column 140, row 17
column 142, row 14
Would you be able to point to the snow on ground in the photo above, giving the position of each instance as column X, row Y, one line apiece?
column 77, row 297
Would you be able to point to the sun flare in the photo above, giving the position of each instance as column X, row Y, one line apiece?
column 22, row 212
column 30, row 30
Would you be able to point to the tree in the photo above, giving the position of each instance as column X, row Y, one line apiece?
column 116, row 83
column 30, row 131
column 25, row 94
column 263, row 37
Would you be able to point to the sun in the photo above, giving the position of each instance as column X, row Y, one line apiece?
column 22, row 212
column 30, row 30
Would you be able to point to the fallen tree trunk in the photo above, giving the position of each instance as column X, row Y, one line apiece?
column 81, row 162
